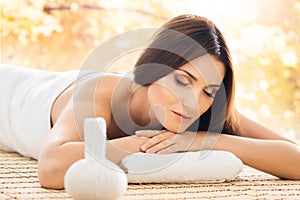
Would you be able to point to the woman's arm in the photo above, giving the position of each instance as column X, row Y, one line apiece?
column 273, row 154
column 277, row 157
column 57, row 157
column 64, row 145
column 261, row 148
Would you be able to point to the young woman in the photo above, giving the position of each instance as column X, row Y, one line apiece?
column 181, row 95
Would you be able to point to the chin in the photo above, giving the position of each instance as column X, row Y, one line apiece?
column 174, row 124
column 176, row 127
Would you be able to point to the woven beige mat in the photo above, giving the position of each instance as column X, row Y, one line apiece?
column 18, row 180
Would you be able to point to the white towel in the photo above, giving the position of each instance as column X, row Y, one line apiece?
column 27, row 96
column 207, row 166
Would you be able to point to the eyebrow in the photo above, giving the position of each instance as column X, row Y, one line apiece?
column 191, row 75
column 212, row 85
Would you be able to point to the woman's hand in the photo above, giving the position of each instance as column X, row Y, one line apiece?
column 166, row 141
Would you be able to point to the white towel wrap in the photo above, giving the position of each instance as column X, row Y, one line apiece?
column 27, row 96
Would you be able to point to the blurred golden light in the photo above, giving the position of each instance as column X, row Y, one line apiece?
column 289, row 58
column 262, row 36
column 264, row 85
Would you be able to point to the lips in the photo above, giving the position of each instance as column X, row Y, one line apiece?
column 182, row 116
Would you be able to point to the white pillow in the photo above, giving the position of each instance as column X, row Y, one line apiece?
column 207, row 166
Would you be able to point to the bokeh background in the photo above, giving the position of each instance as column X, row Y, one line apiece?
column 263, row 35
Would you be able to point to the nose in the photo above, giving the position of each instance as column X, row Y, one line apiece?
column 190, row 102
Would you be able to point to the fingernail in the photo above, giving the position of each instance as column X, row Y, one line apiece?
column 143, row 148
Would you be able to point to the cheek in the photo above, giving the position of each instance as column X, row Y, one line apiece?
column 204, row 103
column 158, row 94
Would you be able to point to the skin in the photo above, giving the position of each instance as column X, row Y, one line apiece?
column 163, row 102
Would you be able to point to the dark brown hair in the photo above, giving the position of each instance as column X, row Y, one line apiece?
column 180, row 40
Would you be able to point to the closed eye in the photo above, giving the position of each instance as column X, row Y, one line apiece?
column 211, row 90
column 211, row 95
column 181, row 80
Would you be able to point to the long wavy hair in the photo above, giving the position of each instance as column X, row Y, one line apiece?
column 180, row 40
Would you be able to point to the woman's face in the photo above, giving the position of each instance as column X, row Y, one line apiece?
column 181, row 97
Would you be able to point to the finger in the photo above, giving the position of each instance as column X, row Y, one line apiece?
column 153, row 141
column 169, row 149
column 147, row 133
column 160, row 146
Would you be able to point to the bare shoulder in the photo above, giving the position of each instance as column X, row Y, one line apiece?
column 110, row 85
column 87, row 98
column 105, row 87
column 82, row 90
